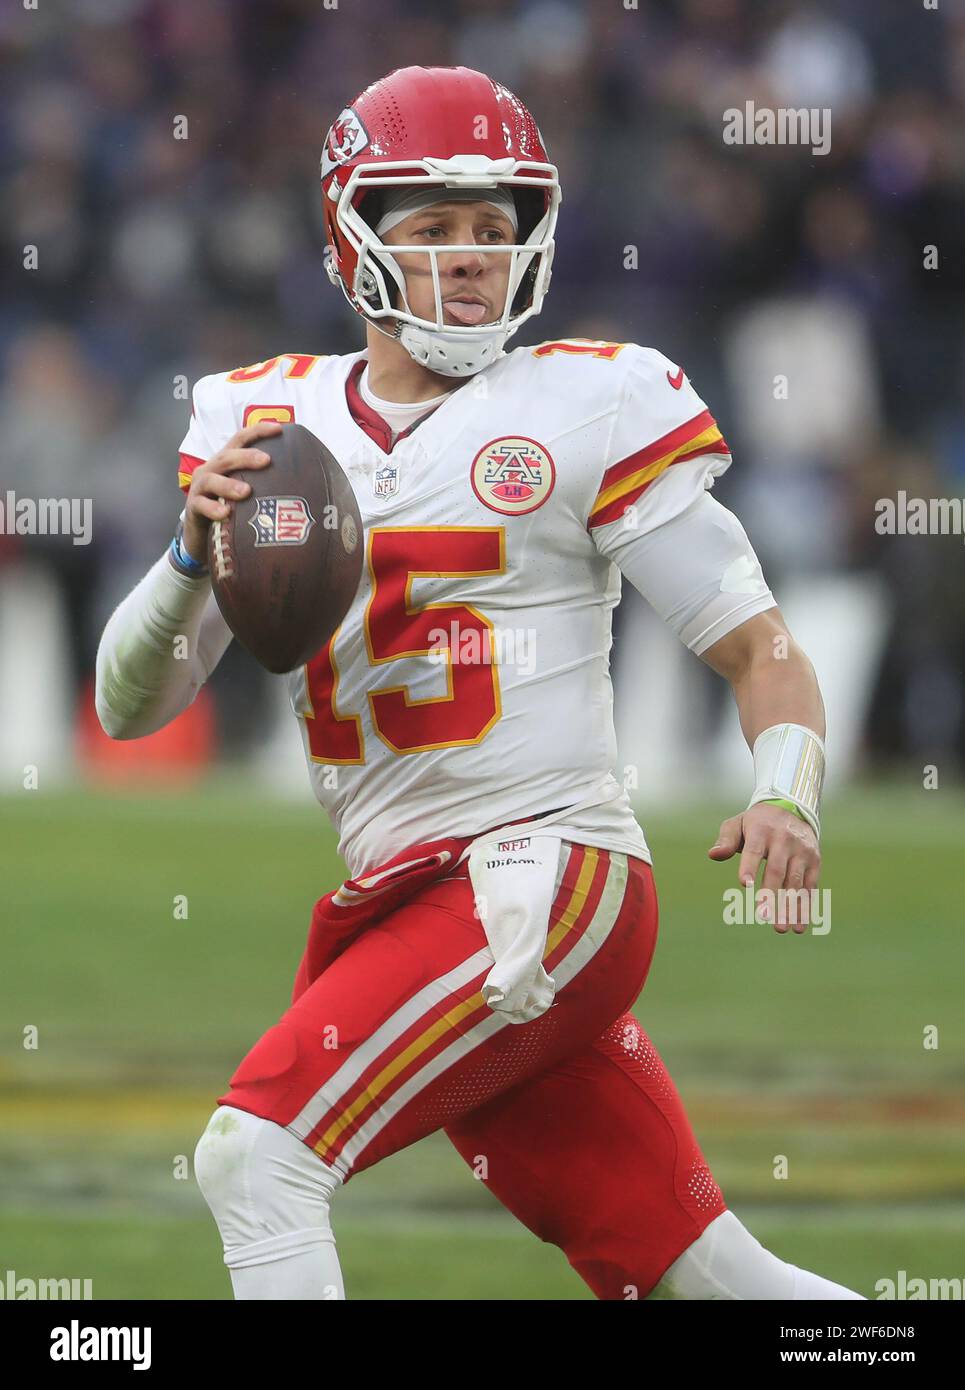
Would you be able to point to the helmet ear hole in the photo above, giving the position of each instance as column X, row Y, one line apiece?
column 368, row 287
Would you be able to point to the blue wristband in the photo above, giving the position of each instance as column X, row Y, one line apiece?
column 184, row 562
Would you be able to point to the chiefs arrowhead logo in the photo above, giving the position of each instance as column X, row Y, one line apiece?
column 676, row 381
column 347, row 138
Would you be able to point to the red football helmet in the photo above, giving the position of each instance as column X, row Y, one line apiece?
column 452, row 128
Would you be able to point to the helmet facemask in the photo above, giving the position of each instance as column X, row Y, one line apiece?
column 378, row 289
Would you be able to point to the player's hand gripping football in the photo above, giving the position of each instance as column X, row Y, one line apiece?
column 213, row 489
column 790, row 848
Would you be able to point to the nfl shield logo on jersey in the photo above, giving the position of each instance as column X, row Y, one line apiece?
column 386, row 481
column 281, row 521
column 513, row 475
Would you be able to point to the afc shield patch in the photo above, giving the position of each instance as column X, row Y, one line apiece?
column 281, row 521
column 513, row 475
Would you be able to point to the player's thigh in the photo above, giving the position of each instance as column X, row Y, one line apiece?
column 410, row 961
column 597, row 1156
column 394, row 1038
column 599, row 946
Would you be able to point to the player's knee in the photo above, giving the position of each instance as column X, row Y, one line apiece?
column 260, row 1182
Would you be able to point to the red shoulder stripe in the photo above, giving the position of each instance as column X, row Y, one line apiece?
column 667, row 444
column 186, row 466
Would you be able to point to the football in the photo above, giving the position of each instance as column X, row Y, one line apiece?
column 286, row 563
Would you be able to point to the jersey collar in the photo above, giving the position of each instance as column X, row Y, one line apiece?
column 368, row 419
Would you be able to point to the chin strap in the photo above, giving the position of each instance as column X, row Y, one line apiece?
column 452, row 354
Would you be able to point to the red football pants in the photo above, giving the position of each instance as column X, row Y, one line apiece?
column 571, row 1120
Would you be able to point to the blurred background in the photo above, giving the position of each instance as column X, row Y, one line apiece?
column 159, row 260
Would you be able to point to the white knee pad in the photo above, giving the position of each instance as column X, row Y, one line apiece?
column 268, row 1192
column 726, row 1262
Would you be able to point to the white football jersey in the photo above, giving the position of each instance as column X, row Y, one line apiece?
column 469, row 685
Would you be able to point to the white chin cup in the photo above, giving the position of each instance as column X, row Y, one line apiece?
column 452, row 354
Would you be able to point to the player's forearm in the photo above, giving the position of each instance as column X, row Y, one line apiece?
column 148, row 663
column 778, row 689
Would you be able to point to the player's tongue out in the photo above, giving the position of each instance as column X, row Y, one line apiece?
column 465, row 312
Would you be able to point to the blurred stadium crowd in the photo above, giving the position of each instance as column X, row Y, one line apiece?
column 161, row 259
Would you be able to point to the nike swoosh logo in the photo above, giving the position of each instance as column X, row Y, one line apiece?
column 676, row 381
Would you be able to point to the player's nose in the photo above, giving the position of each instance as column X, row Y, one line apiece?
column 462, row 264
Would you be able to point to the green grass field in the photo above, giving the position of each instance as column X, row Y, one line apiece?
column 809, row 1047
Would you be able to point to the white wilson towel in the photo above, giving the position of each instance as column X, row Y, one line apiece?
column 514, row 882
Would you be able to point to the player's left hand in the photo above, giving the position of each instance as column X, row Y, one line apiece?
column 790, row 848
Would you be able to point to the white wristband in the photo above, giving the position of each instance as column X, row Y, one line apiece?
column 789, row 766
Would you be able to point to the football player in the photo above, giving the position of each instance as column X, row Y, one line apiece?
column 476, row 971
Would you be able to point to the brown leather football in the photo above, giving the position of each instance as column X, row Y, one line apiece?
column 286, row 563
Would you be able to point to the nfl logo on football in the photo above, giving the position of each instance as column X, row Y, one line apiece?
column 281, row 521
